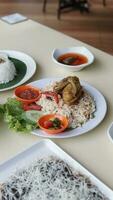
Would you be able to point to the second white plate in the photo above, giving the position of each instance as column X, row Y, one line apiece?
column 44, row 149
column 101, row 108
column 28, row 62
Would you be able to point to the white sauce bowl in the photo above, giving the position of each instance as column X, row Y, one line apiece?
column 79, row 50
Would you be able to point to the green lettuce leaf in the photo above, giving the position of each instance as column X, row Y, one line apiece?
column 15, row 116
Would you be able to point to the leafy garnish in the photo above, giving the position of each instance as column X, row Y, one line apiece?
column 56, row 123
column 15, row 116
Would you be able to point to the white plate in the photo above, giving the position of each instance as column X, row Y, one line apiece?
column 29, row 62
column 41, row 150
column 101, row 108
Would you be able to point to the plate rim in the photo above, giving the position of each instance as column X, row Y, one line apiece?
column 109, row 132
column 84, row 83
column 25, row 78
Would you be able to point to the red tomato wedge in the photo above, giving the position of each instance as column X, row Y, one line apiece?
column 48, row 124
column 44, row 123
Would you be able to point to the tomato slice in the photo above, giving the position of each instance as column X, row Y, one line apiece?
column 34, row 106
column 48, row 124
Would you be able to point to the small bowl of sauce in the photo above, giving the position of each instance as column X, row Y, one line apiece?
column 27, row 94
column 53, row 123
column 73, row 58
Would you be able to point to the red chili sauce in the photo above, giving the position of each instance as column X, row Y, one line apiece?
column 72, row 59
column 28, row 94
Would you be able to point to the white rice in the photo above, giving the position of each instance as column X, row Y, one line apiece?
column 77, row 114
column 7, row 69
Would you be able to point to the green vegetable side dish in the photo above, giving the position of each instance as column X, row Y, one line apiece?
column 21, row 69
column 15, row 116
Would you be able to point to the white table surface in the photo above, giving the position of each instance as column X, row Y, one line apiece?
column 93, row 149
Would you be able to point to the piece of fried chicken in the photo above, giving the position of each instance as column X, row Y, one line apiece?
column 70, row 89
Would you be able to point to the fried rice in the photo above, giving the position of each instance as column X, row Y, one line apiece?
column 77, row 114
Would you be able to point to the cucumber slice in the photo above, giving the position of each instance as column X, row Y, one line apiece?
column 33, row 115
